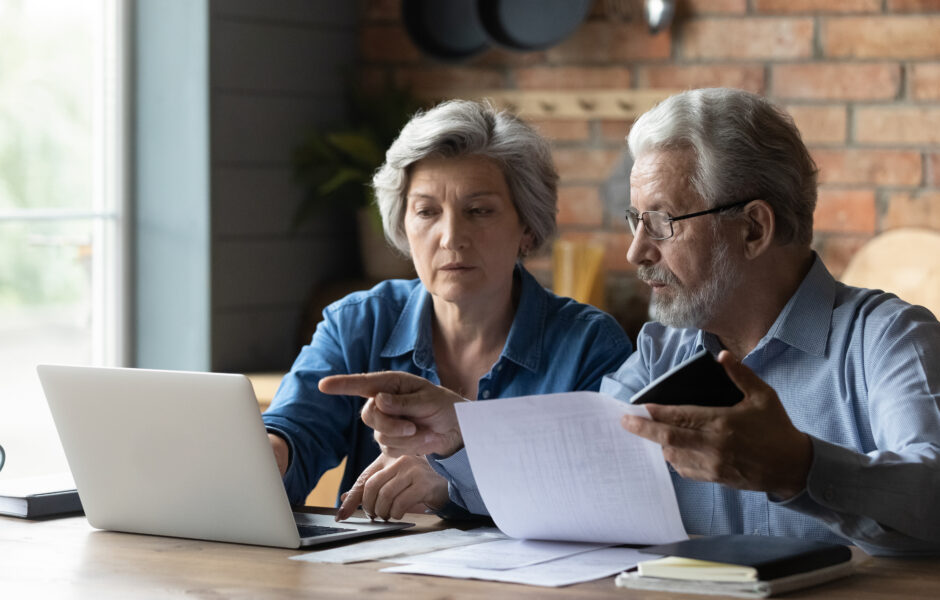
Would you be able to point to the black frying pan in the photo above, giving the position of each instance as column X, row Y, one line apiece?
column 445, row 29
column 531, row 24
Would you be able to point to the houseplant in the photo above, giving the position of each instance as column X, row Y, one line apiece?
column 334, row 165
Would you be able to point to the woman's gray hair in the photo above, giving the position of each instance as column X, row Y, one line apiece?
column 744, row 147
column 459, row 128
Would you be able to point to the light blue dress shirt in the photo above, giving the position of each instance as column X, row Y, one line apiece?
column 555, row 344
column 859, row 371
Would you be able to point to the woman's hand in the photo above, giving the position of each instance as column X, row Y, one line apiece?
column 391, row 487
column 410, row 415
column 281, row 452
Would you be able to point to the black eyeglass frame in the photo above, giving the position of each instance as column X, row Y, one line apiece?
column 670, row 219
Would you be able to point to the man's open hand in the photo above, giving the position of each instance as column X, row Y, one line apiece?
column 752, row 445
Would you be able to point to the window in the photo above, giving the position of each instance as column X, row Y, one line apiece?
column 62, row 176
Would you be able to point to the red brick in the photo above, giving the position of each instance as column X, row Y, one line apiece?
column 753, row 38
column 820, row 124
column 615, row 132
column 374, row 79
column 496, row 56
column 882, row 37
column 449, row 79
column 690, row 8
column 577, row 164
column 879, row 167
column 845, row 210
column 918, row 209
column 579, row 205
column 933, row 169
column 837, row 249
column 386, row 43
column 837, row 81
column 897, row 125
column 818, row 6
column 746, row 77
column 572, row 78
column 382, row 10
column 562, row 130
column 905, row 6
column 611, row 41
column 924, row 80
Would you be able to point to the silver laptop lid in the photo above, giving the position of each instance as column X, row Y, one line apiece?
column 170, row 453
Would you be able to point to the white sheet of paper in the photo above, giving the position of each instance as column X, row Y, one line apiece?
column 419, row 543
column 500, row 554
column 560, row 467
column 586, row 566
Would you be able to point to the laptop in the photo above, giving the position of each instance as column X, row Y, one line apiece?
column 180, row 454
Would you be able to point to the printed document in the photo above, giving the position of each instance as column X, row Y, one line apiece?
column 419, row 543
column 500, row 554
column 560, row 467
column 585, row 566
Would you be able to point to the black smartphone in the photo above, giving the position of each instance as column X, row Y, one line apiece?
column 700, row 380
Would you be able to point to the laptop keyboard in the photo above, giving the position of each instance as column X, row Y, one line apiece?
column 307, row 531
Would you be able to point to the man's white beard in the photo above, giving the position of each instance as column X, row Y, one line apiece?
column 693, row 308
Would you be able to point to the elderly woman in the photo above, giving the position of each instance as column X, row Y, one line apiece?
column 466, row 191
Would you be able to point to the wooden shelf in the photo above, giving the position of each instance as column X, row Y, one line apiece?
column 569, row 104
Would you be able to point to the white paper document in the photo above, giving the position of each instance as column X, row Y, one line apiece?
column 500, row 554
column 560, row 467
column 585, row 566
column 406, row 545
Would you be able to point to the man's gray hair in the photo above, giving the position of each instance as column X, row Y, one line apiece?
column 744, row 147
column 458, row 128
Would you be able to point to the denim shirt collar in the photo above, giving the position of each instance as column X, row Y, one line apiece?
column 412, row 332
column 805, row 320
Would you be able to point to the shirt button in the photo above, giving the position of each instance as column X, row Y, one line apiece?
column 499, row 368
column 485, row 394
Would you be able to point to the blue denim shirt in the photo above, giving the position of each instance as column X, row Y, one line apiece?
column 859, row 371
column 555, row 344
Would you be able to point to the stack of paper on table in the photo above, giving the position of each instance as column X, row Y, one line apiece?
column 559, row 467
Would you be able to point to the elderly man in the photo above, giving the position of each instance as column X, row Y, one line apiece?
column 838, row 435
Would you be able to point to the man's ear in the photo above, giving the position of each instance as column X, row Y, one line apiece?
column 760, row 226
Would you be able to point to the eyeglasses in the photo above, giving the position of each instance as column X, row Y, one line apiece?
column 658, row 224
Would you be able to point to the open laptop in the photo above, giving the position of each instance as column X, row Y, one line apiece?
column 179, row 454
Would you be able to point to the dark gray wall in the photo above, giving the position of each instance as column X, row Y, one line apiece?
column 244, row 275
column 277, row 69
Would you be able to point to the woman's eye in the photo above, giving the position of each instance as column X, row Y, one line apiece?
column 479, row 211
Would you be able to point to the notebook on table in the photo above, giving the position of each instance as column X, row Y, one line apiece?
column 179, row 454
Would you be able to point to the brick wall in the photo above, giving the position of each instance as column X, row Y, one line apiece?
column 860, row 77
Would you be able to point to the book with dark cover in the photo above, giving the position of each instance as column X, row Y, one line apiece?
column 773, row 557
column 38, row 497
column 700, row 380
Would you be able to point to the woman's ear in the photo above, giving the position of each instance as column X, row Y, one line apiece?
column 526, row 243
column 760, row 226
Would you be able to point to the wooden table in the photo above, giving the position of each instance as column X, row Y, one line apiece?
column 67, row 558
